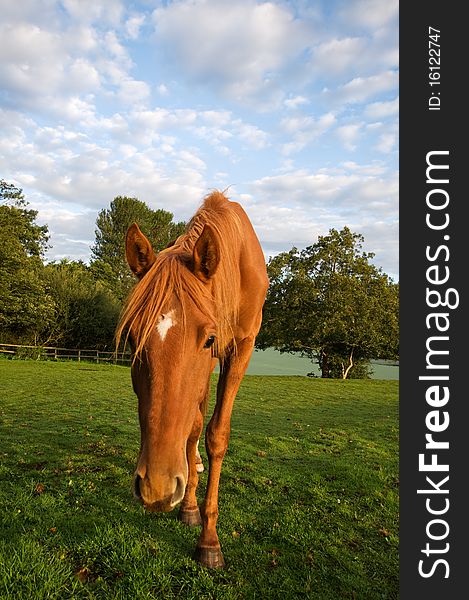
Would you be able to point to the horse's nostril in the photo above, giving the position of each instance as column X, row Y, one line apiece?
column 137, row 492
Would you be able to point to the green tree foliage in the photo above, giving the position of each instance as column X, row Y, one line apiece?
column 329, row 303
column 26, row 309
column 108, row 252
column 86, row 312
column 68, row 303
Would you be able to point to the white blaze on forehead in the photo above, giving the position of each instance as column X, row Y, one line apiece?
column 165, row 322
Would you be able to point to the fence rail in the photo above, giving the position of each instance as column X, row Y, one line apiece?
column 54, row 353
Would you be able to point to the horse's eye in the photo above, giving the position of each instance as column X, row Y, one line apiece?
column 209, row 341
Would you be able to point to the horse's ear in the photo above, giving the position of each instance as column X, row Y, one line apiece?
column 206, row 255
column 138, row 251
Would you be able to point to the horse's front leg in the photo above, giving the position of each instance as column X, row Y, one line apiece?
column 208, row 551
column 189, row 512
column 198, row 460
column 203, row 408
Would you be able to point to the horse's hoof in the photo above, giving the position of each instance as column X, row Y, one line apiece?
column 209, row 557
column 190, row 517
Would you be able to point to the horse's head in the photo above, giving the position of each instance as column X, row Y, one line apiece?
column 171, row 325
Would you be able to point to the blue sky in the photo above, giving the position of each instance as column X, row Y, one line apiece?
column 293, row 104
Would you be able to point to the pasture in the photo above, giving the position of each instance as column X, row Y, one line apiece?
column 273, row 362
column 308, row 493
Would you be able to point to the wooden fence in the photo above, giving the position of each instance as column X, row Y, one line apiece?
column 53, row 353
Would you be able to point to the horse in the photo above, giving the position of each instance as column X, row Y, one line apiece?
column 197, row 303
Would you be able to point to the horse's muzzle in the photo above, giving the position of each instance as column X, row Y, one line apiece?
column 143, row 492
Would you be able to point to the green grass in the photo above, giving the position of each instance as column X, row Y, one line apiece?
column 308, row 495
column 273, row 362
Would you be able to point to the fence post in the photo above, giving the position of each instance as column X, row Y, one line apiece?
column 40, row 352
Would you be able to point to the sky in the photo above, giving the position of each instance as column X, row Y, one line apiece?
column 292, row 106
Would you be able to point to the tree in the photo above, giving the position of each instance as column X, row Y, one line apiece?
column 86, row 313
column 25, row 307
column 108, row 252
column 329, row 303
column 68, row 303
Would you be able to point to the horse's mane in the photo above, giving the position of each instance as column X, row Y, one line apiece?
column 169, row 275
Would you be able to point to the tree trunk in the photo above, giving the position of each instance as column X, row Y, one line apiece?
column 325, row 370
column 346, row 371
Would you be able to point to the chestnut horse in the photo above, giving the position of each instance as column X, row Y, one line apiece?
column 198, row 301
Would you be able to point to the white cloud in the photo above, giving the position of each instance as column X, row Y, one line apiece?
column 82, row 76
column 305, row 129
column 381, row 110
column 370, row 14
column 337, row 56
column 374, row 169
column 337, row 192
column 360, row 89
column 188, row 158
column 354, row 40
column 133, row 92
column 26, row 52
column 162, row 89
column 383, row 136
column 296, row 101
column 109, row 11
column 213, row 126
column 294, row 208
column 387, row 143
column 89, row 112
column 116, row 49
column 349, row 134
column 236, row 47
column 252, row 135
column 72, row 109
column 53, row 68
column 133, row 25
column 39, row 11
column 216, row 118
column 164, row 119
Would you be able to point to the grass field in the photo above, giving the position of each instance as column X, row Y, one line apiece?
column 272, row 362
column 308, row 500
